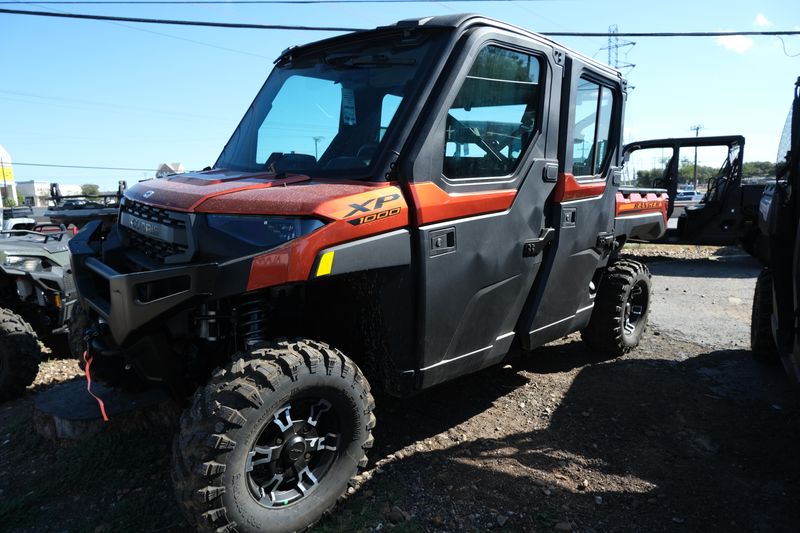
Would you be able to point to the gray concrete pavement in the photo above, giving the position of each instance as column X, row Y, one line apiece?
column 706, row 301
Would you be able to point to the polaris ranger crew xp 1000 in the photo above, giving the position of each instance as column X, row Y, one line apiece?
column 400, row 206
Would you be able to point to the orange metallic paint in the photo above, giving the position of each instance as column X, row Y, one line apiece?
column 293, row 261
column 266, row 185
column 435, row 205
column 568, row 188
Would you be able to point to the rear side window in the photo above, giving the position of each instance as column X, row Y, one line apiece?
column 495, row 115
column 592, row 128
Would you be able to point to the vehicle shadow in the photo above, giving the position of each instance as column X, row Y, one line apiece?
column 454, row 402
column 705, row 444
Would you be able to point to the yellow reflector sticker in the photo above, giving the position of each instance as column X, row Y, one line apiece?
column 325, row 264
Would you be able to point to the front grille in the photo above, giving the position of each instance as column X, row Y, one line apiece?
column 69, row 284
column 155, row 248
column 152, row 247
column 155, row 214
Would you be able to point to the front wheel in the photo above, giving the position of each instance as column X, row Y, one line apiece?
column 19, row 355
column 620, row 309
column 762, row 343
column 273, row 440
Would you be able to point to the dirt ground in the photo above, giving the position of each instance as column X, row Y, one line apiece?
column 679, row 435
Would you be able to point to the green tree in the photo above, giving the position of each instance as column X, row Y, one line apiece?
column 89, row 189
column 686, row 172
column 758, row 169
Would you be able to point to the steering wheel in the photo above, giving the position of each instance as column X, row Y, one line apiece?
column 480, row 141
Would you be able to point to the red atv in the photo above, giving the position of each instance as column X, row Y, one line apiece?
column 421, row 197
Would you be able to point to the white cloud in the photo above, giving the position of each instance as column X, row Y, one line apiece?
column 736, row 43
column 762, row 21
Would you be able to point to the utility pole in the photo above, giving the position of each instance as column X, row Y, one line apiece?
column 696, row 128
column 317, row 139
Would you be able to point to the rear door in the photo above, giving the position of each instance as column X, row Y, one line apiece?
column 482, row 173
column 583, row 204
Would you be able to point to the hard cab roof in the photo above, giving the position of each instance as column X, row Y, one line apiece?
column 460, row 22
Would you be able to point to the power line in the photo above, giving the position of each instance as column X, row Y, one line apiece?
column 239, row 25
column 671, row 33
column 212, row 2
column 15, row 163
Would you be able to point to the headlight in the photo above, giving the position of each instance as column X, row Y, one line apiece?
column 264, row 232
column 21, row 262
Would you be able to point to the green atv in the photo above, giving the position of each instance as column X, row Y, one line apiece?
column 37, row 295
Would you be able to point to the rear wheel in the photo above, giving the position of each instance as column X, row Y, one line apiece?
column 620, row 309
column 762, row 344
column 273, row 440
column 19, row 355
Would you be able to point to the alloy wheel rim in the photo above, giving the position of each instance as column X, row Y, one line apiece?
column 293, row 453
column 635, row 308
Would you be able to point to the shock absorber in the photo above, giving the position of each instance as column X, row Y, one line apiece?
column 251, row 315
column 207, row 321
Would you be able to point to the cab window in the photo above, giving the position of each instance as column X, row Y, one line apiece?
column 591, row 128
column 494, row 116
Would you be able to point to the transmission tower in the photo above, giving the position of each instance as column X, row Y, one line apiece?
column 613, row 47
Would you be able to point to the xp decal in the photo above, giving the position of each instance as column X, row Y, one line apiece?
column 379, row 203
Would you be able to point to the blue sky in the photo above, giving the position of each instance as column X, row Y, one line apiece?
column 125, row 95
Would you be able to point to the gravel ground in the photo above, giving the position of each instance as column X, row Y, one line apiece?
column 686, row 433
column 54, row 370
column 701, row 294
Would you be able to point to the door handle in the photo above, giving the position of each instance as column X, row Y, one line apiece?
column 533, row 247
column 442, row 241
column 550, row 172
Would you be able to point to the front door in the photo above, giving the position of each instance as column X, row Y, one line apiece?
column 480, row 185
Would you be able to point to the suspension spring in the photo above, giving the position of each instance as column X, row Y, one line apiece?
column 252, row 320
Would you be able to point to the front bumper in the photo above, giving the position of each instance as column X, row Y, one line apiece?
column 131, row 300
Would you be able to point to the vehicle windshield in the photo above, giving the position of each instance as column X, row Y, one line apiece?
column 786, row 139
column 326, row 113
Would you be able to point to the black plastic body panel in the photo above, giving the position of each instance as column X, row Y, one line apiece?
column 117, row 297
column 381, row 251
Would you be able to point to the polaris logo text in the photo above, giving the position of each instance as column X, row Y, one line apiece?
column 143, row 226
column 372, row 217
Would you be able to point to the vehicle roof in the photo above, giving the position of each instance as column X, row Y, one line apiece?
column 718, row 140
column 462, row 21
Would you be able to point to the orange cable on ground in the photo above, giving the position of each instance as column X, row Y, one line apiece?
column 88, row 360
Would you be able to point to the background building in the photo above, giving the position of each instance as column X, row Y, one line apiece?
column 36, row 193
column 7, row 186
